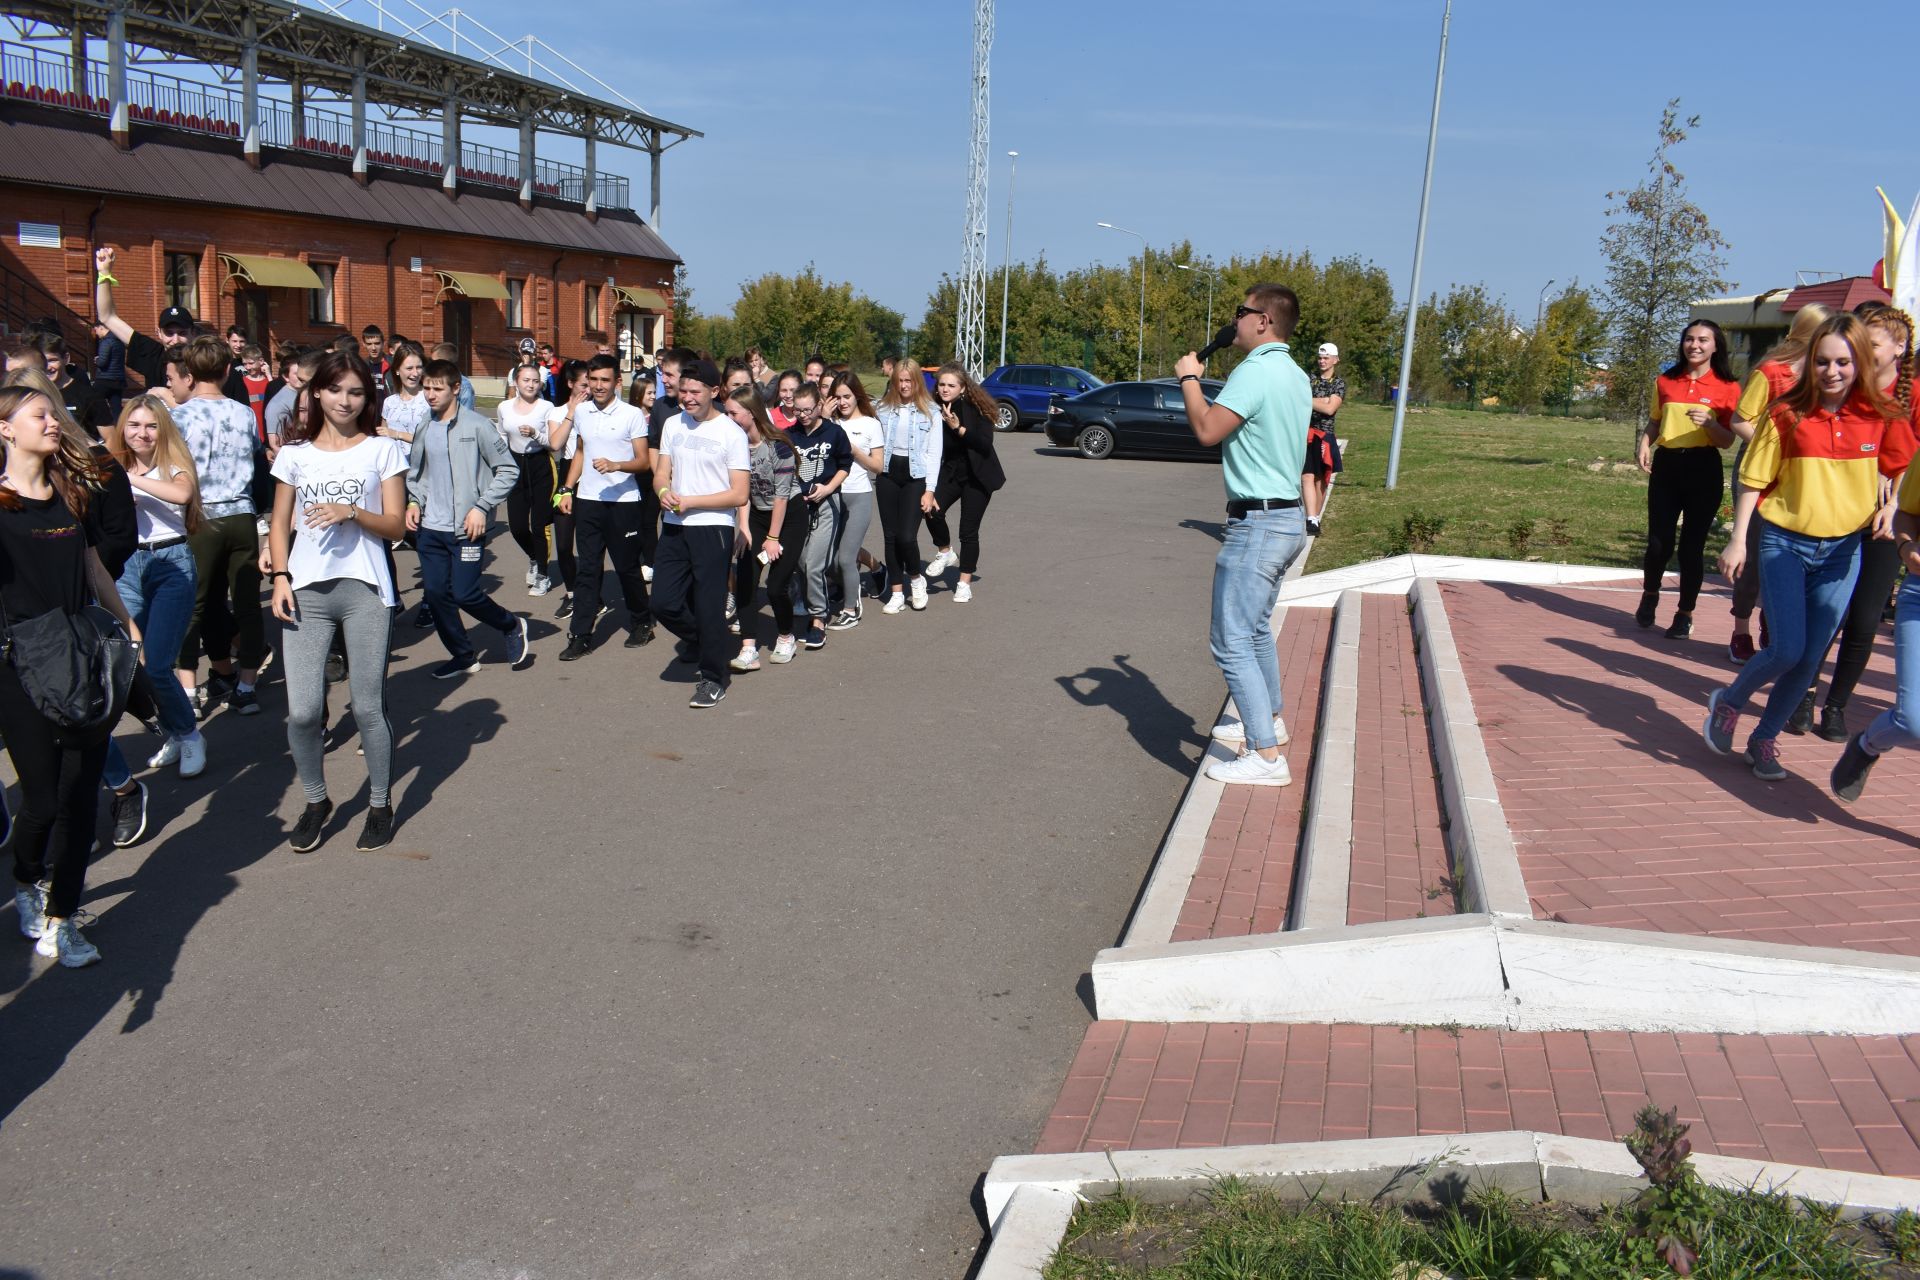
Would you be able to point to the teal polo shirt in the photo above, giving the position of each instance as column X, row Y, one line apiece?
column 1265, row 454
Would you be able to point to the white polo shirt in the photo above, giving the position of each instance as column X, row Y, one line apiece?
column 616, row 433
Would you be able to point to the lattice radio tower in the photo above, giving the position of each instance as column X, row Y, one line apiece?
column 970, row 331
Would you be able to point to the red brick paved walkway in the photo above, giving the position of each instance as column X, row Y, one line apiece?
column 1833, row 1102
column 1400, row 868
column 1245, row 875
column 1622, row 816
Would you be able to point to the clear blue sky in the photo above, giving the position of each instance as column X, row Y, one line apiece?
column 837, row 134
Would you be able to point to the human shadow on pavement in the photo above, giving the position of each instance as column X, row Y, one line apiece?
column 1162, row 729
column 193, row 868
column 1215, row 529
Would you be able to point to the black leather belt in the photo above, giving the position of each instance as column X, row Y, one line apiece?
column 1237, row 507
column 161, row 544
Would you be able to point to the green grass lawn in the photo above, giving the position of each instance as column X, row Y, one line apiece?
column 1505, row 486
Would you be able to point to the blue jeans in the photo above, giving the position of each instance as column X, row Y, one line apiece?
column 158, row 588
column 1900, row 727
column 450, row 568
column 1805, row 583
column 1247, row 574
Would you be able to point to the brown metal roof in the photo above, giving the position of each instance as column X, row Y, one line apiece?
column 211, row 171
column 1835, row 295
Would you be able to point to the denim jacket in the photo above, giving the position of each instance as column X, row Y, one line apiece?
column 923, row 458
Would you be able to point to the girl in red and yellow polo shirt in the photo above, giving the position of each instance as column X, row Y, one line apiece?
column 1812, row 475
column 1692, row 422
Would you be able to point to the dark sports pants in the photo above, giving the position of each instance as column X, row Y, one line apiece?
column 690, row 591
column 53, row 834
column 450, row 569
column 606, row 531
column 973, row 500
column 898, row 495
column 746, row 574
column 1684, row 491
column 226, row 606
column 530, row 504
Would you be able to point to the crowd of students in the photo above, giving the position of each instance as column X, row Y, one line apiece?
column 1825, row 518
column 180, row 506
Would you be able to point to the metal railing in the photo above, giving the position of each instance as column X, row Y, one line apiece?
column 45, row 76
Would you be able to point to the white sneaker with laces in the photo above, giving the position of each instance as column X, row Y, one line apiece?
column 783, row 649
column 646, row 573
column 540, row 586
column 748, row 659
column 30, row 904
column 1250, row 769
column 168, row 753
column 941, row 563
column 193, row 755
column 1234, row 731
column 896, row 603
column 963, row 593
column 63, row 941
column 918, row 593
column 533, row 573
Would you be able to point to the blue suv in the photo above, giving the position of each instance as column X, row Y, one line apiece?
column 1025, row 392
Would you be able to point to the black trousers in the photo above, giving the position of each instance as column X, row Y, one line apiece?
column 690, row 592
column 649, row 516
column 530, row 504
column 1684, row 491
column 897, row 494
column 746, row 572
column 959, row 487
column 1879, row 567
column 53, row 833
column 603, row 531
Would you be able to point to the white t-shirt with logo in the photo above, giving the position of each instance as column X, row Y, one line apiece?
column 344, row 550
column 401, row 413
column 511, row 419
column 705, row 455
column 863, row 433
column 616, row 433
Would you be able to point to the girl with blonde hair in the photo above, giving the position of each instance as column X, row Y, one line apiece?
column 911, row 449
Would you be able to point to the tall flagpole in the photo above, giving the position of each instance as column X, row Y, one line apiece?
column 1419, row 251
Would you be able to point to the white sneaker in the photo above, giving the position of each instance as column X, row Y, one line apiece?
column 941, row 563
column 1234, row 731
column 783, row 649
column 193, row 755
column 1251, row 770
column 963, row 593
column 748, row 659
column 646, row 573
column 64, row 942
column 168, row 753
column 896, row 603
column 731, row 610
column 540, row 586
column 30, row 904
column 918, row 590
column 533, row 573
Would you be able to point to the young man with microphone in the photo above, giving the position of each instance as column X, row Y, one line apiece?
column 1260, row 423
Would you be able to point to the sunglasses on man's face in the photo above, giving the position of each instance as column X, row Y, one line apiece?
column 1241, row 313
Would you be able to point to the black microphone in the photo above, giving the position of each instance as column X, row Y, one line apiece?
column 1221, row 340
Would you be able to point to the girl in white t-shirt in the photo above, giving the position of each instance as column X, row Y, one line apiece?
column 342, row 495
column 523, row 423
column 848, row 405
column 403, row 413
column 562, row 442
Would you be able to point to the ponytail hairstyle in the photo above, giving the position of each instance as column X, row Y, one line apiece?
column 1804, row 397
column 1799, row 340
column 970, row 390
column 1878, row 315
column 1719, row 363
column 861, row 400
column 170, row 452
column 748, row 398
column 334, row 366
column 922, row 399
column 71, row 470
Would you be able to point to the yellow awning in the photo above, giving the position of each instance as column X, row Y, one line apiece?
column 642, row 299
column 270, row 273
column 472, row 284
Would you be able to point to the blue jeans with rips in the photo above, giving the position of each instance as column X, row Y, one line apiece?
column 1805, row 583
column 1247, row 574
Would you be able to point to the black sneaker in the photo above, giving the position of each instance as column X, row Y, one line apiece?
column 218, row 688
column 577, row 648
column 1682, row 626
column 1802, row 718
column 566, row 606
column 378, row 830
column 816, row 635
column 843, row 620
column 1833, row 723
column 312, row 826
column 1313, row 528
column 706, row 694
column 423, row 620
column 872, row 584
column 244, row 702
column 1649, row 604
column 129, row 816
column 453, row 668
column 640, row 637
column 1849, row 777
column 336, row 668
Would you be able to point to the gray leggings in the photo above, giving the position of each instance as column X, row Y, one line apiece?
column 823, row 536
column 846, row 560
column 353, row 609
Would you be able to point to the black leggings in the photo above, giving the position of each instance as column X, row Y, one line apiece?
column 898, row 496
column 530, row 504
column 1685, row 491
column 563, row 523
column 53, row 833
column 1879, row 567
column 746, row 572
column 973, row 502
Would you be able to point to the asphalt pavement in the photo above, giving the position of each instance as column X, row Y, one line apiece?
column 637, row 990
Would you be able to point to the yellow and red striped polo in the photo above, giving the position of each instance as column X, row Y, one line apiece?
column 1674, row 396
column 1820, row 474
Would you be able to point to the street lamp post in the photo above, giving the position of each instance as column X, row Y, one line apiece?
column 1211, row 275
column 1006, row 254
column 1419, row 251
column 1140, row 352
column 1540, row 307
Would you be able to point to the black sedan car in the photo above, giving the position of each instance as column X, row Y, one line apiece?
column 1130, row 417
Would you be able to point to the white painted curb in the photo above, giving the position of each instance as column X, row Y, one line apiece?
column 1026, row 1231
column 1325, row 870
column 1395, row 575
column 1527, row 1164
column 1532, row 975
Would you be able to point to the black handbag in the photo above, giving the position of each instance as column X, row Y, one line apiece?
column 76, row 669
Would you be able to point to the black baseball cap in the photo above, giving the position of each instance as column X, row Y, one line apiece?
column 176, row 318
column 702, row 371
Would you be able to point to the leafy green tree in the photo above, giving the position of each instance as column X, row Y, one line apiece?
column 1662, row 253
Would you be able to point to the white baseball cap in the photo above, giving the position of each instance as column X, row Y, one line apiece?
column 1328, row 349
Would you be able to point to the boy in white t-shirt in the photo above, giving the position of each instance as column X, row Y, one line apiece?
column 701, row 476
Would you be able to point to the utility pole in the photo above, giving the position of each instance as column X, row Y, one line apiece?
column 970, row 328
column 1419, row 250
column 1006, row 255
